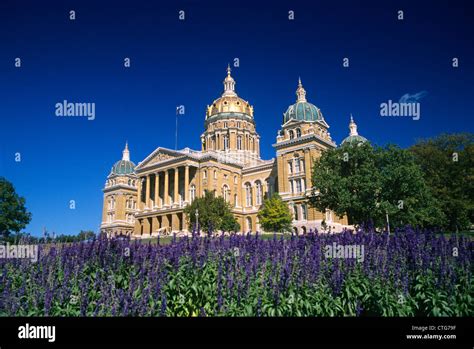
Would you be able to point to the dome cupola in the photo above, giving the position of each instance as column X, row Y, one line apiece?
column 124, row 166
column 354, row 137
column 229, row 104
column 302, row 110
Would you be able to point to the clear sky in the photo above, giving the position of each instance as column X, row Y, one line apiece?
column 177, row 62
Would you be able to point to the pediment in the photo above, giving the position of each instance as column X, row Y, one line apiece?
column 157, row 156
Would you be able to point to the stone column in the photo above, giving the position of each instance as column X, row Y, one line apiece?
column 176, row 183
column 157, row 189
column 147, row 196
column 166, row 195
column 307, row 167
column 140, row 207
column 186, row 184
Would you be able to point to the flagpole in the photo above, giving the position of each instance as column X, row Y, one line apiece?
column 176, row 136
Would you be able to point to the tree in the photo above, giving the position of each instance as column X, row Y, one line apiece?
column 447, row 162
column 405, row 196
column 275, row 215
column 346, row 182
column 214, row 213
column 85, row 235
column 13, row 213
column 370, row 183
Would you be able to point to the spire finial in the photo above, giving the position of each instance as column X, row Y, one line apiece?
column 229, row 84
column 353, row 127
column 126, row 152
column 300, row 92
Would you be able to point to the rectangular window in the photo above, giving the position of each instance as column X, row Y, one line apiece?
column 297, row 165
column 298, row 186
column 290, row 167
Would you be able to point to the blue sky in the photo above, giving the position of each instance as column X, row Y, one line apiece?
column 183, row 63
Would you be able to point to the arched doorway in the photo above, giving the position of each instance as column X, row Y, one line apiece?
column 248, row 224
column 295, row 230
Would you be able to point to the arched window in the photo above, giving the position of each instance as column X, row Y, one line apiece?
column 239, row 143
column 215, row 174
column 248, row 194
column 249, row 223
column 225, row 192
column 192, row 193
column 258, row 186
column 235, row 200
column 204, row 174
column 269, row 188
column 292, row 134
column 298, row 133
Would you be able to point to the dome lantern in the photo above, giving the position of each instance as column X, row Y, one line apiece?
column 124, row 166
column 354, row 137
column 229, row 84
column 300, row 92
column 302, row 110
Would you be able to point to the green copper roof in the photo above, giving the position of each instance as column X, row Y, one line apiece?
column 303, row 111
column 123, row 167
column 354, row 139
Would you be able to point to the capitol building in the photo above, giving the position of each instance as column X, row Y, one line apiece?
column 149, row 198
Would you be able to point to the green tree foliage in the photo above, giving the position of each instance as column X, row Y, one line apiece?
column 214, row 213
column 275, row 215
column 86, row 235
column 367, row 183
column 447, row 162
column 404, row 195
column 13, row 213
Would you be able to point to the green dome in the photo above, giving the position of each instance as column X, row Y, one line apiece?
column 302, row 111
column 354, row 139
column 123, row 167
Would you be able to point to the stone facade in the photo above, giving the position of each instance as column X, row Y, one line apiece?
column 148, row 199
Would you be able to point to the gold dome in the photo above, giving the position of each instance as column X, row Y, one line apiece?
column 229, row 105
column 229, row 102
